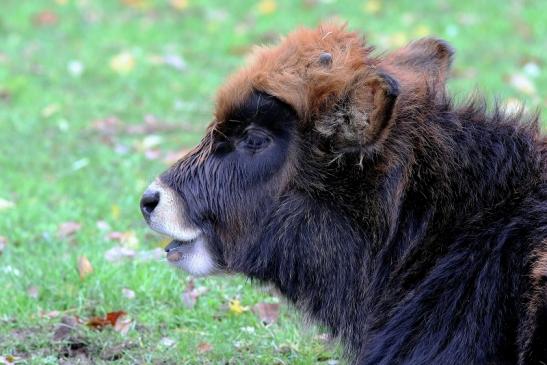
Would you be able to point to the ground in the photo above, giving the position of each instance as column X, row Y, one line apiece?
column 98, row 97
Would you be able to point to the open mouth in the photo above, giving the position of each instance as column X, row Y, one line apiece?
column 176, row 249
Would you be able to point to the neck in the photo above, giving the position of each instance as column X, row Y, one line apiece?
column 388, row 224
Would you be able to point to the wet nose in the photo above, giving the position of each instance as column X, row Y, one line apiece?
column 149, row 202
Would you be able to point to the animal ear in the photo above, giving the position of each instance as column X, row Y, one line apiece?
column 383, row 91
column 421, row 64
column 362, row 120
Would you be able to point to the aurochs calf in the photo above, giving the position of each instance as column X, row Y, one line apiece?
column 414, row 229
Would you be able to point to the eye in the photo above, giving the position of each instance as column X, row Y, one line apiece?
column 255, row 140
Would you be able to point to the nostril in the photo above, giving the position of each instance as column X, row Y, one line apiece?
column 149, row 202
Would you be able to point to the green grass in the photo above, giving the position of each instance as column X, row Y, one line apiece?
column 56, row 167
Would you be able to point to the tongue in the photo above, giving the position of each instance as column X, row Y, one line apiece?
column 174, row 256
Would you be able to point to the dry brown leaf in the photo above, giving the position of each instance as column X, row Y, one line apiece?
column 204, row 347
column 118, row 253
column 50, row 314
column 84, row 267
column 191, row 294
column 151, row 125
column 267, row 312
column 33, row 292
column 110, row 319
column 179, row 5
column 127, row 239
column 123, row 325
column 109, row 126
column 152, row 154
column 45, row 18
column 68, row 229
column 137, row 4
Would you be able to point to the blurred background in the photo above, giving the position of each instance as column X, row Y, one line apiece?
column 98, row 97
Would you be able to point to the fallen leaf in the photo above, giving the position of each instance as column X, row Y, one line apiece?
column 151, row 125
column 150, row 141
column 84, row 267
column 123, row 325
column 167, row 342
column 235, row 307
column 137, row 4
column 10, row 360
column 33, row 292
column 152, row 154
column 119, row 253
column 109, row 319
column 116, row 211
column 151, row 255
column 5, row 204
column 122, row 63
column 266, row 7
column 267, row 312
column 50, row 110
column 45, row 18
column 179, row 4
column 103, row 225
column 192, row 293
column 80, row 164
column 422, row 31
column 65, row 328
column 108, row 126
column 128, row 293
column 68, row 229
column 522, row 84
column 310, row 3
column 3, row 244
column 5, row 95
column 50, row 314
column 204, row 347
column 127, row 239
column 372, row 6
column 174, row 61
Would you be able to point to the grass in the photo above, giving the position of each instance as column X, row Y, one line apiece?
column 58, row 163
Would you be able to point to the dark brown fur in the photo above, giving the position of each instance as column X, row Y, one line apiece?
column 415, row 229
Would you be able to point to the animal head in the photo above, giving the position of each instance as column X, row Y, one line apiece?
column 279, row 123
